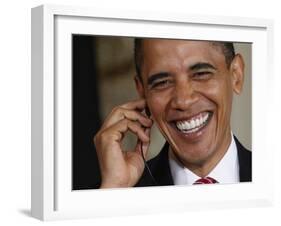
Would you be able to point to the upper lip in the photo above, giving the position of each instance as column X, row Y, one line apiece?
column 187, row 117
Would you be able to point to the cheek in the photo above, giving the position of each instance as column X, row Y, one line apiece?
column 225, row 99
column 157, row 104
column 221, row 95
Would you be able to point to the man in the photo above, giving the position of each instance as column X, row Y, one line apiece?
column 186, row 88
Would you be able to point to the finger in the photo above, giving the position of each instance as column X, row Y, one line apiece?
column 121, row 113
column 143, row 146
column 119, row 129
column 137, row 116
column 135, row 105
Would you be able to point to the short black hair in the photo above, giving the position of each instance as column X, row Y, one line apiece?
column 226, row 47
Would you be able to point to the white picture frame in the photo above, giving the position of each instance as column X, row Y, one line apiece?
column 52, row 196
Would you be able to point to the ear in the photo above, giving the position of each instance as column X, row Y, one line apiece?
column 237, row 73
column 139, row 86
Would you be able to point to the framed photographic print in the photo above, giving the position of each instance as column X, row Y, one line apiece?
column 83, row 66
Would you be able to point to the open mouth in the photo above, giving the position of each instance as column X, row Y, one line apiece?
column 195, row 123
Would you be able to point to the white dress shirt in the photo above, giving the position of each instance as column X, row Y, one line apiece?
column 225, row 172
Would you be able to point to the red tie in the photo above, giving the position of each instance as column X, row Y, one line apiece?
column 206, row 180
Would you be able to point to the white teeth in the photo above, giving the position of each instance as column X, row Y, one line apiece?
column 184, row 125
column 180, row 126
column 197, row 122
column 193, row 124
column 187, row 125
column 205, row 118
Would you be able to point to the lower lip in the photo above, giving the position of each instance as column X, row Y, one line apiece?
column 196, row 134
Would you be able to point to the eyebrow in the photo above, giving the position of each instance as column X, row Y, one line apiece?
column 156, row 76
column 201, row 65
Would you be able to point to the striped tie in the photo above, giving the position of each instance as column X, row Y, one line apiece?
column 206, row 180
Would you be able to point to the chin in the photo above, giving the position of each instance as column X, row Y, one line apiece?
column 193, row 155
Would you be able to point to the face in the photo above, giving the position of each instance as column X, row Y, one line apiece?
column 189, row 88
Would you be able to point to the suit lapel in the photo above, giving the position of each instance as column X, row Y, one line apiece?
column 245, row 162
column 162, row 168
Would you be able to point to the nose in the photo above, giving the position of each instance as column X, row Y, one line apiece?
column 184, row 95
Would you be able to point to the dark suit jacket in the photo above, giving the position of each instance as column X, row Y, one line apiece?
column 160, row 167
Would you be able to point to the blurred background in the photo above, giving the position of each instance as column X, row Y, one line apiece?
column 103, row 77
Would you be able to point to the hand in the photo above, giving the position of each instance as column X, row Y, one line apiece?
column 121, row 168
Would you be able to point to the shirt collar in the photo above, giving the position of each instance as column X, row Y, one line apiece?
column 226, row 171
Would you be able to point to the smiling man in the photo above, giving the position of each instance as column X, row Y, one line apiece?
column 186, row 88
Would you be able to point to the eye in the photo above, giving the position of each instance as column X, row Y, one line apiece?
column 202, row 75
column 161, row 84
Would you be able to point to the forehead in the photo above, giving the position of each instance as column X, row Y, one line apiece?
column 179, row 46
column 165, row 53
